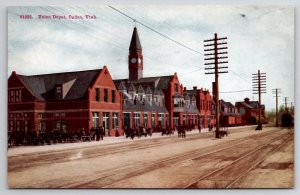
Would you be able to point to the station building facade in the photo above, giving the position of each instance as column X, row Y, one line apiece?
column 162, row 97
column 89, row 99
column 66, row 101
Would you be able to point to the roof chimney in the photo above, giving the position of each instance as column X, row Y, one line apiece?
column 247, row 100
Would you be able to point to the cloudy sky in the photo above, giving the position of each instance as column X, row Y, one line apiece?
column 258, row 38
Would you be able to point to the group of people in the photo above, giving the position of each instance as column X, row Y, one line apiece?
column 99, row 132
column 138, row 131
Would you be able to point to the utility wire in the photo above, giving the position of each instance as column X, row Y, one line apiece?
column 236, row 91
column 154, row 30
column 191, row 71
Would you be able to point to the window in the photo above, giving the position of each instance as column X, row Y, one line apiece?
column 26, row 126
column 95, row 119
column 148, row 98
column 113, row 96
column 11, row 125
column 167, row 117
column 115, row 120
column 57, row 125
column 242, row 111
column 146, row 120
column 175, row 121
column 12, row 96
column 97, row 95
column 58, row 89
column 58, row 92
column 106, row 95
column 161, row 120
column 63, row 126
column 20, row 95
column 42, row 127
column 17, row 95
column 176, row 87
column 18, row 126
column 137, row 121
column 106, row 120
column 153, row 119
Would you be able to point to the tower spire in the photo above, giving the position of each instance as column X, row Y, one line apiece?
column 135, row 44
column 135, row 57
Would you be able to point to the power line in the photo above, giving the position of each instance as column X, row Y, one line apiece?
column 191, row 71
column 239, row 76
column 236, row 91
column 155, row 30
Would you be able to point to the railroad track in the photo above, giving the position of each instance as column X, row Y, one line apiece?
column 239, row 167
column 110, row 178
column 42, row 158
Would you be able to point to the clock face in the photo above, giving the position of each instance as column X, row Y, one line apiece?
column 133, row 60
column 140, row 60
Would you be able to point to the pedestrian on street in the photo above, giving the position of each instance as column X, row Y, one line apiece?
column 101, row 132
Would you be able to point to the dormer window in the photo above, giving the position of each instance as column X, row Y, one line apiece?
column 58, row 92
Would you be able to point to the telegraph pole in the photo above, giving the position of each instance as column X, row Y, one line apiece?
column 276, row 92
column 215, row 53
column 285, row 103
column 259, row 87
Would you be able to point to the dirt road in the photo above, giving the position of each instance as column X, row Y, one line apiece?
column 246, row 158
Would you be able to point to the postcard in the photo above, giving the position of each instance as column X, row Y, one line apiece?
column 150, row 97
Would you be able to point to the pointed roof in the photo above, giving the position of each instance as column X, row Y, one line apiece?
column 131, row 87
column 135, row 43
column 140, row 89
column 148, row 90
column 122, row 86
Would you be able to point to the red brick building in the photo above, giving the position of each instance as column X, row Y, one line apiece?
column 64, row 101
column 229, row 115
column 70, row 101
column 204, row 105
column 162, row 97
column 249, row 111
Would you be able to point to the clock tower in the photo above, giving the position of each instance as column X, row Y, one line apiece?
column 135, row 57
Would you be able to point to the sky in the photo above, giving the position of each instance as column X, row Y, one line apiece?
column 258, row 37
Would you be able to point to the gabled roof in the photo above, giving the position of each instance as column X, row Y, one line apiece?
column 122, row 86
column 250, row 104
column 135, row 43
column 140, row 89
column 148, row 90
column 131, row 87
column 243, row 104
column 75, row 84
column 160, row 82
